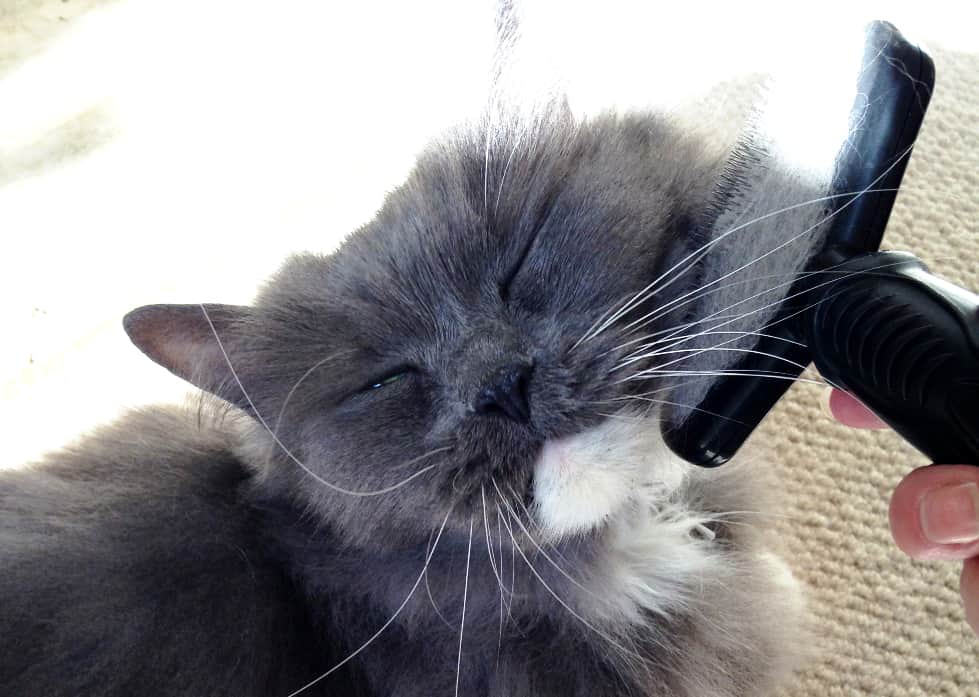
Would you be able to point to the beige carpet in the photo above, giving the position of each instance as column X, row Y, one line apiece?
column 890, row 626
column 176, row 152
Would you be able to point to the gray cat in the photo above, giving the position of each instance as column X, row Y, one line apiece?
column 425, row 466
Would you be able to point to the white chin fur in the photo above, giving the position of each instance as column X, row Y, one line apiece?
column 582, row 481
column 658, row 554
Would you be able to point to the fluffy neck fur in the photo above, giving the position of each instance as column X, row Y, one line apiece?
column 659, row 607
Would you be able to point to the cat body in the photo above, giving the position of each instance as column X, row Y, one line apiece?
column 133, row 565
column 164, row 567
column 431, row 462
column 432, row 473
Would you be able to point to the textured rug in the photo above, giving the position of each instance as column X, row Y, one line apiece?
column 889, row 626
column 139, row 163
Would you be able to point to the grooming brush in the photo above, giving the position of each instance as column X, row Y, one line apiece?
column 876, row 324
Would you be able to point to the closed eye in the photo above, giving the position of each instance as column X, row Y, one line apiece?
column 387, row 379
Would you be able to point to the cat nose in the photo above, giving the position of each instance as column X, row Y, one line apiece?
column 506, row 393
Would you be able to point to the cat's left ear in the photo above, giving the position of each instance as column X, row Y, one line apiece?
column 194, row 342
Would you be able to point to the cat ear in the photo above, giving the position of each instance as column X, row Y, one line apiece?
column 194, row 342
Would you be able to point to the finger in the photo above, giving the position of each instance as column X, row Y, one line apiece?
column 969, row 587
column 934, row 512
column 846, row 409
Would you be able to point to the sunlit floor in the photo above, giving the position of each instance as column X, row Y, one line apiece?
column 154, row 153
column 176, row 152
column 172, row 152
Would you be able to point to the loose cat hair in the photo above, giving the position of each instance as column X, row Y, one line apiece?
column 424, row 465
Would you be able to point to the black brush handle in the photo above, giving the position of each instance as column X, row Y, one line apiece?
column 892, row 91
column 906, row 344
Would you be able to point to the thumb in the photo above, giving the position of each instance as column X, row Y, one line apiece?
column 846, row 409
column 934, row 512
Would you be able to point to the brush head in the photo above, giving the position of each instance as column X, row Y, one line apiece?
column 782, row 225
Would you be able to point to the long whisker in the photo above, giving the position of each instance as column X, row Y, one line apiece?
column 387, row 624
column 513, row 563
column 523, row 507
column 489, row 546
column 698, row 294
column 794, row 238
column 465, row 596
column 663, row 309
column 854, row 196
column 515, row 516
column 676, row 404
column 658, row 332
column 428, row 588
column 652, row 288
column 637, row 355
column 275, row 437
column 534, row 524
column 499, row 642
column 760, row 335
column 845, row 274
column 292, row 391
column 760, row 309
column 720, row 348
column 564, row 604
column 660, row 390
column 594, row 327
column 722, row 373
column 702, row 292
column 812, row 227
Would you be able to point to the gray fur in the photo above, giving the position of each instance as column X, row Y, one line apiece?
column 772, row 210
column 221, row 551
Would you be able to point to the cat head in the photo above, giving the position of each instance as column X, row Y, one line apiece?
column 476, row 327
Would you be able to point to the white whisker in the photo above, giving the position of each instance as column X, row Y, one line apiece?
column 702, row 292
column 535, row 524
column 428, row 588
column 815, row 225
column 722, row 373
column 636, row 354
column 275, row 437
column 669, row 331
column 625, row 651
column 714, row 315
column 699, row 351
column 499, row 642
column 678, row 404
column 515, row 516
column 760, row 309
column 387, row 624
column 668, row 388
column 652, row 288
column 489, row 547
column 285, row 403
column 465, row 596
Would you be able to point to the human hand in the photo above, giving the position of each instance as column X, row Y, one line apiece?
column 934, row 511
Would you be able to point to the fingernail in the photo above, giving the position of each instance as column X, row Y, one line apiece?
column 950, row 515
column 824, row 402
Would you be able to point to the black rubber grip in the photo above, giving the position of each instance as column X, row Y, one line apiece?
column 905, row 343
column 892, row 91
